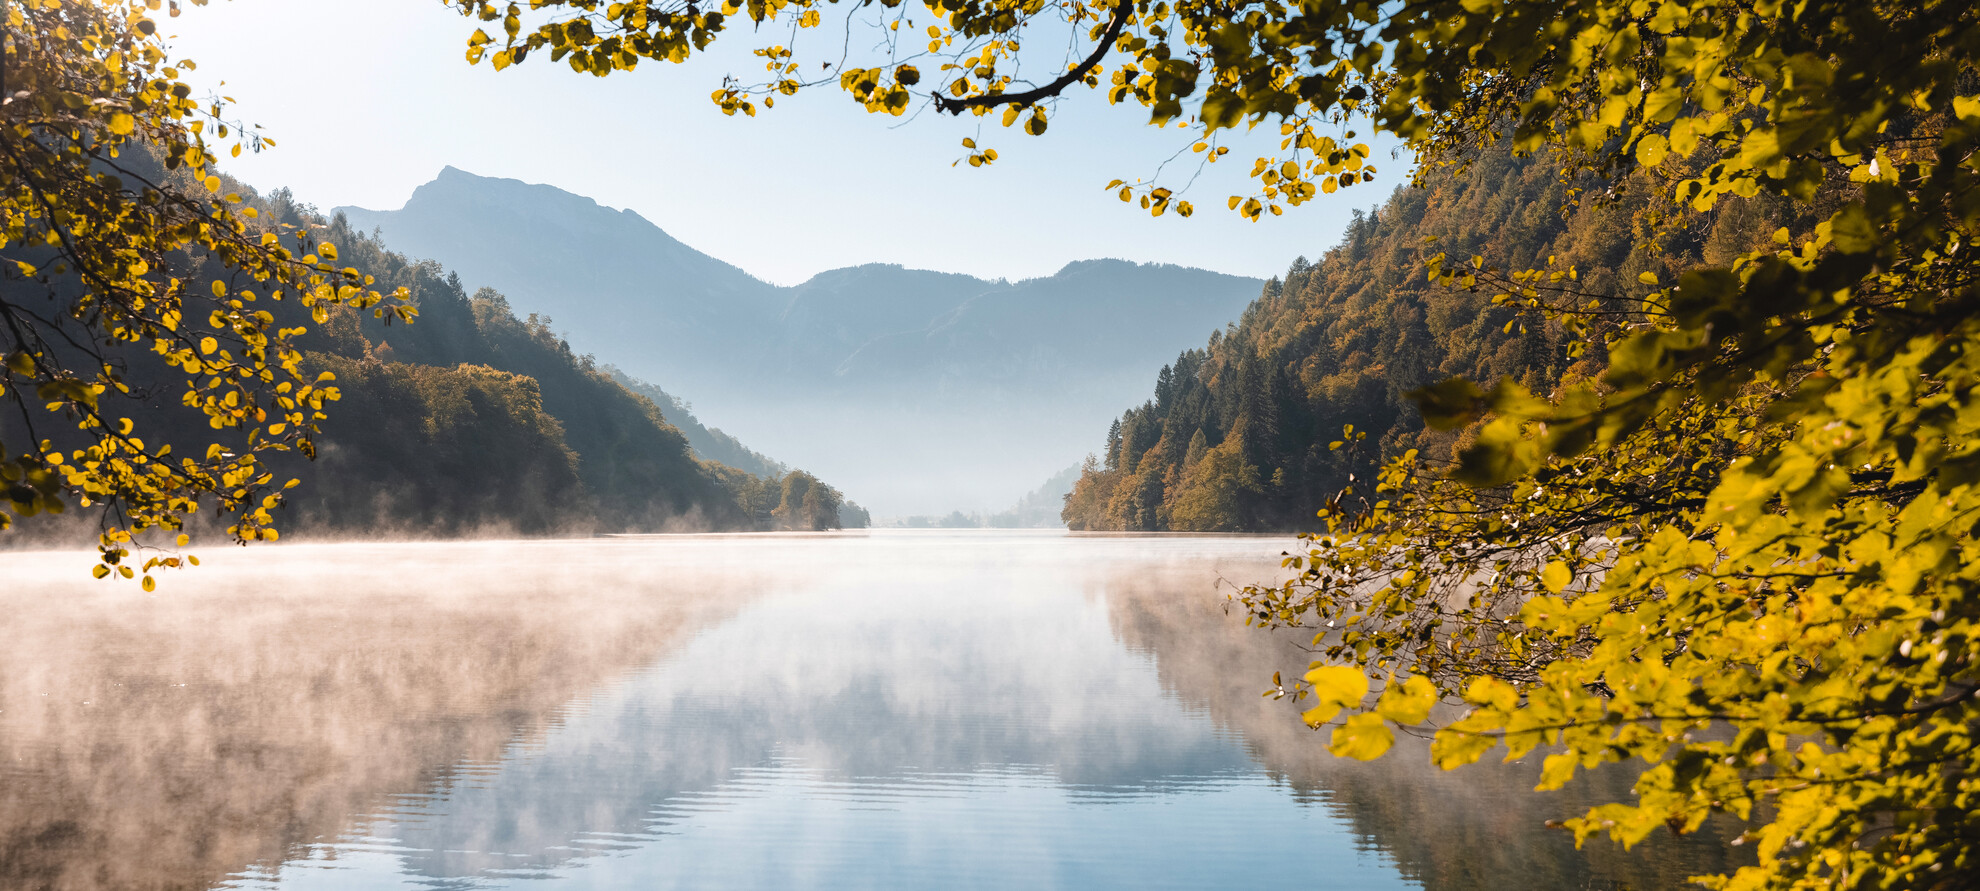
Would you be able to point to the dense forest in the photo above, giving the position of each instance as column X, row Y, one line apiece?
column 1241, row 434
column 472, row 420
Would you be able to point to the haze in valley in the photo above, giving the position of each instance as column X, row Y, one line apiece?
column 913, row 391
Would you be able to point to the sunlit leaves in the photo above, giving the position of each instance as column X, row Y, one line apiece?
column 1186, row 64
column 1334, row 687
column 100, row 244
column 1408, row 702
column 979, row 157
column 1742, row 556
column 1363, row 737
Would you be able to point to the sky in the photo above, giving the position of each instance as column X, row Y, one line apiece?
column 368, row 99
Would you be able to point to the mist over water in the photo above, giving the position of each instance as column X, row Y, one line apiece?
column 975, row 457
column 895, row 709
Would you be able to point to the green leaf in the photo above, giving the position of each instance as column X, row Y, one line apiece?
column 1850, row 231
column 1450, row 404
column 1502, row 453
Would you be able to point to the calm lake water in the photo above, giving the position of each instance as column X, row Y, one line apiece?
column 884, row 710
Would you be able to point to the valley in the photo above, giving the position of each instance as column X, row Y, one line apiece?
column 917, row 392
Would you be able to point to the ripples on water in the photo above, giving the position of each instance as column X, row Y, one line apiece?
column 886, row 710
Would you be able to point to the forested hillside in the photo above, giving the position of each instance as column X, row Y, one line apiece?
column 773, row 479
column 708, row 442
column 474, row 416
column 473, row 420
column 1240, row 433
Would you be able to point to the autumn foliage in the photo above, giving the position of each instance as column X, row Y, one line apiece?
column 1739, row 552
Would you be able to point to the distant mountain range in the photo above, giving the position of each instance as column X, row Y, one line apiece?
column 915, row 391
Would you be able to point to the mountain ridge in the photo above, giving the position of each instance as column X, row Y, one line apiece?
column 921, row 391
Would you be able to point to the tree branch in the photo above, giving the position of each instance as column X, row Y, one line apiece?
column 1123, row 10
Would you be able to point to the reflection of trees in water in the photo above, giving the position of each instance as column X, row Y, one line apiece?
column 868, row 684
column 163, row 743
column 377, row 677
column 1480, row 827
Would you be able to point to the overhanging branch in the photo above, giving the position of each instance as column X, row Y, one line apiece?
column 1123, row 11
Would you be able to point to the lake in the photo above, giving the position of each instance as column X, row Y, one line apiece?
column 908, row 709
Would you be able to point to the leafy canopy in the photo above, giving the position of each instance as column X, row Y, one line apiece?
column 1743, row 554
column 968, row 58
column 122, row 264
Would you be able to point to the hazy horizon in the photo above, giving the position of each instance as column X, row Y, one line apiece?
column 809, row 187
column 905, row 265
column 913, row 392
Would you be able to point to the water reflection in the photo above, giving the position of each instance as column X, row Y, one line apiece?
column 1482, row 827
column 252, row 706
column 893, row 710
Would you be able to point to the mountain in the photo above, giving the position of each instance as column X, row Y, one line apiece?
column 917, row 391
column 612, row 272
column 470, row 420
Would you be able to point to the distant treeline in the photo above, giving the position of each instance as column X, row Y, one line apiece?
column 1239, row 435
column 1040, row 507
column 474, row 420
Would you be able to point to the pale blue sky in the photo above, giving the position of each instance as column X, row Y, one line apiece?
column 370, row 98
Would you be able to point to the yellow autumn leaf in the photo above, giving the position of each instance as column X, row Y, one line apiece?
column 1363, row 737
column 1556, row 577
column 1340, row 684
column 1408, row 702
